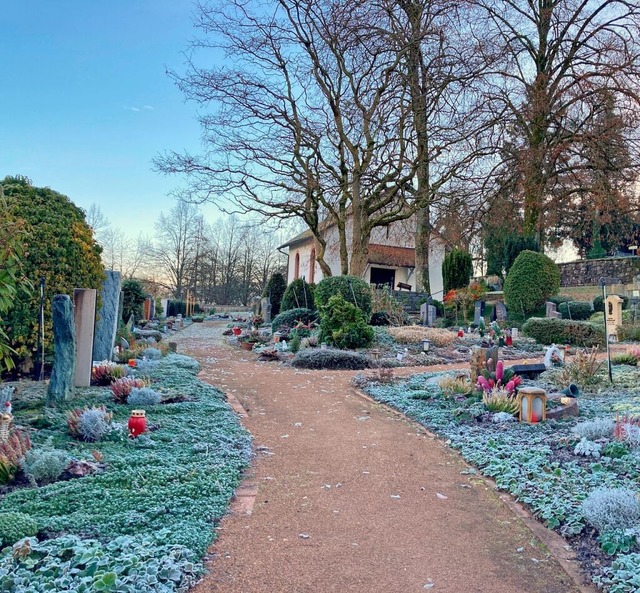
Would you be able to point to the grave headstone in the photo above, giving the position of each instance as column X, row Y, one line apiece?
column 107, row 323
column 551, row 308
column 501, row 311
column 424, row 314
column 478, row 312
column 165, row 307
column 432, row 313
column 64, row 350
column 265, row 307
column 84, row 301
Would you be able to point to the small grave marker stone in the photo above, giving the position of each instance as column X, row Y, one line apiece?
column 551, row 309
column 432, row 313
column 501, row 311
column 424, row 314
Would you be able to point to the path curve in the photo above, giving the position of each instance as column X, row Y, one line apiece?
column 350, row 496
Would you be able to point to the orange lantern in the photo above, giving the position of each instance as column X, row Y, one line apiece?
column 137, row 423
column 533, row 405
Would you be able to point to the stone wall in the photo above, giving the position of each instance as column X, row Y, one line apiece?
column 617, row 270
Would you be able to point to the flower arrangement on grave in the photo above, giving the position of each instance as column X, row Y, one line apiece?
column 459, row 302
column 500, row 378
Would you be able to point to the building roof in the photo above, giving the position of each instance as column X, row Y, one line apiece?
column 387, row 255
column 301, row 238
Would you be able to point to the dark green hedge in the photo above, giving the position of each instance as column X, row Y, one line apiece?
column 298, row 295
column 353, row 290
column 576, row 310
column 564, row 331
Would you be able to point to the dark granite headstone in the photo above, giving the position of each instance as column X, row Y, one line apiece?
column 64, row 350
column 529, row 371
column 551, row 309
column 478, row 312
column 107, row 323
column 501, row 311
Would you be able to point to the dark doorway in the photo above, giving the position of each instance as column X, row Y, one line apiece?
column 383, row 276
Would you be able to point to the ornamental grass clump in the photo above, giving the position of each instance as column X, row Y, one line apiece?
column 583, row 368
column 498, row 399
column 608, row 509
column 452, row 386
column 414, row 334
column 122, row 388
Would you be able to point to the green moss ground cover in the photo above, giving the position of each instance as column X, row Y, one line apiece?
column 536, row 463
column 145, row 522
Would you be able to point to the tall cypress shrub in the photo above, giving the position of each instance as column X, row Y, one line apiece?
column 457, row 269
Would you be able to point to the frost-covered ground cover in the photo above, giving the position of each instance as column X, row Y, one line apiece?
column 145, row 522
column 537, row 463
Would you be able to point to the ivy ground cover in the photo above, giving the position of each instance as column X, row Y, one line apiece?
column 145, row 522
column 535, row 463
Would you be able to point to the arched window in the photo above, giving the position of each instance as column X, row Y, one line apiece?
column 296, row 268
column 312, row 266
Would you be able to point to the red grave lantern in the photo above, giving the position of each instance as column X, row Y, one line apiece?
column 137, row 423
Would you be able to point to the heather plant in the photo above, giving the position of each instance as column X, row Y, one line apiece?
column 586, row 448
column 592, row 430
column 106, row 372
column 144, row 396
column 122, row 388
column 12, row 452
column 44, row 465
column 15, row 526
column 609, row 509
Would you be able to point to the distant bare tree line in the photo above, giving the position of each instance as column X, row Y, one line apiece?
column 225, row 262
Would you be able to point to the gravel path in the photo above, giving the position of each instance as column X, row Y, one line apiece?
column 345, row 495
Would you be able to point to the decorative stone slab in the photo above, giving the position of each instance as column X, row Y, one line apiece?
column 64, row 350
column 107, row 321
column 84, row 301
column 529, row 371
column 568, row 408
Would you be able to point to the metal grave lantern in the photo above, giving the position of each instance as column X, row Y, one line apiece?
column 533, row 405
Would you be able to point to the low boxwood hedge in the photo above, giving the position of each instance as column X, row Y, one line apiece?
column 563, row 331
column 330, row 358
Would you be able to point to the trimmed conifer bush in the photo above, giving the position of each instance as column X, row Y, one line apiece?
column 532, row 279
column 343, row 325
column 275, row 291
column 576, row 310
column 457, row 269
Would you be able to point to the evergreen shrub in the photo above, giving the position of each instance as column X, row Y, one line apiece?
column 576, row 310
column 14, row 526
column 563, row 331
column 275, row 289
column 532, row 279
column 352, row 289
column 133, row 297
column 457, row 269
column 343, row 325
column 298, row 295
column 291, row 317
column 598, row 303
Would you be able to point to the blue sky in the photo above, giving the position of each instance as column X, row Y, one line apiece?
column 85, row 103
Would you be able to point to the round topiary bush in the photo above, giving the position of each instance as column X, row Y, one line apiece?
column 576, row 310
column 299, row 295
column 352, row 289
column 532, row 279
column 60, row 248
column 15, row 526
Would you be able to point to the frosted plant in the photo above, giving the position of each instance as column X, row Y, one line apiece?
column 592, row 430
column 144, row 396
column 588, row 448
column 503, row 417
column 608, row 509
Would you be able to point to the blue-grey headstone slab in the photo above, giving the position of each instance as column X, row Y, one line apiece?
column 107, row 320
column 64, row 350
